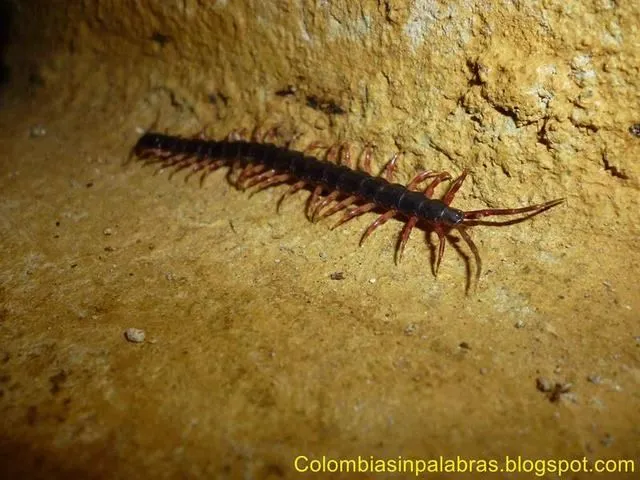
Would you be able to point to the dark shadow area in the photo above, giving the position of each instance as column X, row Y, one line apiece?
column 20, row 460
column 6, row 16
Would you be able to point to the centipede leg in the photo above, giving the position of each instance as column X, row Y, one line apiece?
column 170, row 162
column 152, row 157
column 293, row 189
column 208, row 168
column 390, row 167
column 366, row 156
column 272, row 133
column 314, row 146
column 439, row 178
column 184, row 163
column 333, row 153
column 270, row 182
column 367, row 207
column 404, row 237
column 341, row 205
column 419, row 178
column 323, row 203
column 455, row 186
column 345, row 154
column 236, row 135
column 249, row 171
column 313, row 199
column 381, row 220
column 258, row 136
column 257, row 179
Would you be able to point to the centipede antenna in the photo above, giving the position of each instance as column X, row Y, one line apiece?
column 534, row 209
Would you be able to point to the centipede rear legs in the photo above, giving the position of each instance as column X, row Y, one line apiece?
column 179, row 162
column 210, row 165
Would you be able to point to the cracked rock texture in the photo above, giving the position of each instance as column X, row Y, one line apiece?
column 266, row 337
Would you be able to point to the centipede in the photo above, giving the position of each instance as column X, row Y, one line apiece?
column 335, row 185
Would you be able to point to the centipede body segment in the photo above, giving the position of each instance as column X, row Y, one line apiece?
column 263, row 165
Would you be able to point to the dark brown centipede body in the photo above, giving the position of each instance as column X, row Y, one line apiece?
column 265, row 165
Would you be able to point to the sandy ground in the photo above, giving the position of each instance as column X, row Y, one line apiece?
column 268, row 337
column 254, row 354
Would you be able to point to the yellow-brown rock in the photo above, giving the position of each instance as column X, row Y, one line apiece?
column 254, row 338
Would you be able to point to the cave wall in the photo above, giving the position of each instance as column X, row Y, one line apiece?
column 267, row 336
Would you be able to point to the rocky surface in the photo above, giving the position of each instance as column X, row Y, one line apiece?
column 266, row 336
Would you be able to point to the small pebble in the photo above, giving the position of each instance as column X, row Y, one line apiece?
column 337, row 276
column 372, row 280
column 38, row 131
column 520, row 324
column 410, row 329
column 107, row 231
column 134, row 335
column 595, row 379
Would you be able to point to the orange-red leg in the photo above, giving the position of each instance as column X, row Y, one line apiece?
column 313, row 199
column 381, row 220
column 293, row 189
column 270, row 182
column 208, row 168
column 255, row 180
column 366, row 157
column 249, row 171
column 390, row 167
column 419, row 178
column 345, row 155
column 271, row 134
column 314, row 146
column 404, row 237
column 356, row 212
column 455, row 186
column 236, row 135
column 323, row 203
column 341, row 205
column 333, row 153
column 258, row 136
column 439, row 178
